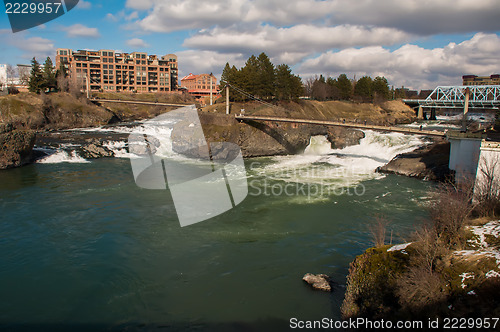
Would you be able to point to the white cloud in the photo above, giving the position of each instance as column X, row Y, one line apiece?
column 137, row 43
column 82, row 4
column 80, row 30
column 294, row 43
column 411, row 65
column 111, row 17
column 193, row 14
column 34, row 46
column 414, row 16
column 198, row 62
column 421, row 16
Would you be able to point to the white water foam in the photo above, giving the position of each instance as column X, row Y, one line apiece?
column 320, row 164
column 61, row 156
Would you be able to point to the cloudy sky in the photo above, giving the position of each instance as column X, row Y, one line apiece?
column 413, row 43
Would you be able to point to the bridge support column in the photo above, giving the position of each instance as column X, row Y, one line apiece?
column 466, row 110
column 433, row 114
column 420, row 114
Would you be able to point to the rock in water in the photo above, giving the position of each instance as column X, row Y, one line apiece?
column 429, row 162
column 92, row 151
column 16, row 148
column 318, row 281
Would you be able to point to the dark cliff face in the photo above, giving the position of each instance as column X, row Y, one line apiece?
column 428, row 162
column 256, row 138
column 16, row 147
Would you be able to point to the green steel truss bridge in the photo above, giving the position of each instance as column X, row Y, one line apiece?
column 480, row 97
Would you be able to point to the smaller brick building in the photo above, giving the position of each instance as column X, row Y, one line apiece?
column 199, row 85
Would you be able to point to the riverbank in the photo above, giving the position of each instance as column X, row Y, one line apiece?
column 390, row 282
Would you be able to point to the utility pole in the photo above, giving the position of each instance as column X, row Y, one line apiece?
column 227, row 98
column 466, row 110
column 87, row 81
column 211, row 99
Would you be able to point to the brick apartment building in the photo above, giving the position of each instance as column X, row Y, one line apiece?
column 481, row 80
column 199, row 85
column 108, row 70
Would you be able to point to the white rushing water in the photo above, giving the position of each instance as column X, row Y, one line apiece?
column 61, row 156
column 342, row 167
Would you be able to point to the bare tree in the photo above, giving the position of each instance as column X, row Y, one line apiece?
column 487, row 187
column 24, row 74
column 451, row 207
column 428, row 247
column 11, row 75
column 378, row 230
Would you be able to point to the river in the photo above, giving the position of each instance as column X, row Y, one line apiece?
column 84, row 248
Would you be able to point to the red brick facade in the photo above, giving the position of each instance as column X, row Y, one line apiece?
column 108, row 70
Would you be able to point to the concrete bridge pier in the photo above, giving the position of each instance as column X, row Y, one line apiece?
column 420, row 114
column 465, row 150
column 433, row 114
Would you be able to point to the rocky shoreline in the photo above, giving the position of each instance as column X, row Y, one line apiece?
column 16, row 147
column 429, row 162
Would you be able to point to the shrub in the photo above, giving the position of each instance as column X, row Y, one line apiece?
column 487, row 189
column 419, row 290
column 378, row 230
column 12, row 90
column 449, row 212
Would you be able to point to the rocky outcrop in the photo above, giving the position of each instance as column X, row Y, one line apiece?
column 256, row 138
column 16, row 147
column 318, row 281
column 94, row 151
column 429, row 162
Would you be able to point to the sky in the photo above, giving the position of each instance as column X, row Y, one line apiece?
column 418, row 44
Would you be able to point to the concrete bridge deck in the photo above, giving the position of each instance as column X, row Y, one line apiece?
column 342, row 124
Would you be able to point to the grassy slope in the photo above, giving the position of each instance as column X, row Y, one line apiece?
column 389, row 112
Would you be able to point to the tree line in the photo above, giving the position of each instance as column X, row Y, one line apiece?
column 262, row 79
column 365, row 89
column 46, row 78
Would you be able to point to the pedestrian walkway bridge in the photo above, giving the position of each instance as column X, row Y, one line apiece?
column 403, row 130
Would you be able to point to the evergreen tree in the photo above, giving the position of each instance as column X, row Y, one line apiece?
column 229, row 76
column 345, row 87
column 49, row 76
column 288, row 86
column 266, row 78
column 380, row 88
column 334, row 92
column 363, row 88
column 225, row 79
column 249, row 76
column 35, row 83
